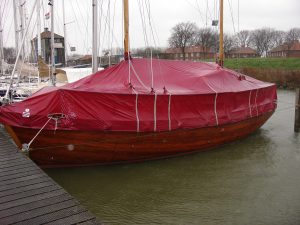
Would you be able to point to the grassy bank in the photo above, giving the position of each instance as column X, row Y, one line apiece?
column 264, row 63
column 285, row 72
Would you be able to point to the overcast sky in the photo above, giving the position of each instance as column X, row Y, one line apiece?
column 251, row 14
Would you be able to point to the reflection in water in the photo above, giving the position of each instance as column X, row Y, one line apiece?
column 252, row 181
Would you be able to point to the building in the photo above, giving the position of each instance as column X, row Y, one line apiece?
column 193, row 53
column 242, row 52
column 59, row 48
column 286, row 50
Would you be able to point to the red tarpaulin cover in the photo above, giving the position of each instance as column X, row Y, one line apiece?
column 184, row 95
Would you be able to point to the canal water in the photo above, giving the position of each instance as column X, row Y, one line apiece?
column 252, row 181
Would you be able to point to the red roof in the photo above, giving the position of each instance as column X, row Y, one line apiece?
column 295, row 46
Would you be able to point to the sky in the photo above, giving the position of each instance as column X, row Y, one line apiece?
column 164, row 14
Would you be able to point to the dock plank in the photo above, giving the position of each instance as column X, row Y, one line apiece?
column 29, row 196
column 42, row 211
column 26, row 188
column 53, row 216
column 31, row 207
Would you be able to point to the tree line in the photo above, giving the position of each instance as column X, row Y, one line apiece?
column 187, row 34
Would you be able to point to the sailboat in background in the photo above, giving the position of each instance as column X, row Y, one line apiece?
column 138, row 110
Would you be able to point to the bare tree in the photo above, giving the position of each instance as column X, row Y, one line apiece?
column 243, row 38
column 291, row 36
column 183, row 35
column 228, row 42
column 207, row 38
column 262, row 40
column 278, row 37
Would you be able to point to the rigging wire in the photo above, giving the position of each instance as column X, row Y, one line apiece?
column 3, row 8
column 231, row 14
column 43, row 13
column 85, row 23
column 197, row 9
column 113, row 25
column 85, row 41
column 144, row 28
column 142, row 14
column 100, row 6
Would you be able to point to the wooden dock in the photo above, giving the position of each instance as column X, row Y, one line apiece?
column 29, row 196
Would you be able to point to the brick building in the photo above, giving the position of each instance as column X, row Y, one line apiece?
column 193, row 53
column 286, row 50
column 242, row 52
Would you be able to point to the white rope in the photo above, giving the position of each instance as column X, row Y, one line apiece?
column 137, row 76
column 152, row 79
column 155, row 98
column 250, row 103
column 137, row 113
column 215, row 109
column 169, row 112
column 129, row 73
column 38, row 133
column 256, row 103
column 215, row 104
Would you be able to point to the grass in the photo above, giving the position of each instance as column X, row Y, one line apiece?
column 264, row 63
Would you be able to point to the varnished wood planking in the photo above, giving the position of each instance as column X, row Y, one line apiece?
column 52, row 149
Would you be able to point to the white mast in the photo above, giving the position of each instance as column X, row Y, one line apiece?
column 1, row 45
column 65, row 33
column 39, row 46
column 16, row 27
column 22, row 25
column 95, row 45
column 6, row 97
column 51, row 3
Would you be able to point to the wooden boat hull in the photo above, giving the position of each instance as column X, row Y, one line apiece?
column 62, row 148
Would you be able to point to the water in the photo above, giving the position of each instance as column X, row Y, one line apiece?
column 252, row 181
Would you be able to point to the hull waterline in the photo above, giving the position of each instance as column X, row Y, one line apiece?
column 62, row 148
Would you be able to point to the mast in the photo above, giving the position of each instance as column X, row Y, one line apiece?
column 1, row 46
column 5, row 99
column 95, row 34
column 39, row 44
column 22, row 25
column 16, row 27
column 65, row 32
column 221, row 53
column 126, row 30
column 51, row 3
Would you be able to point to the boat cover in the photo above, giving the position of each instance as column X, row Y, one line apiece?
column 153, row 95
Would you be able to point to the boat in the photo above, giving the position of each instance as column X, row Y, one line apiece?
column 140, row 109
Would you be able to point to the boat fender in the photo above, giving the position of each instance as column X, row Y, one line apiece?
column 25, row 148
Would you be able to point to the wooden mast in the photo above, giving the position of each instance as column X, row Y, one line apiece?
column 221, row 51
column 126, row 29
